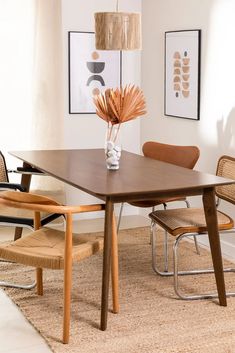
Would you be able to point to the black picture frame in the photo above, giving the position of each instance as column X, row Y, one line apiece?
column 182, row 74
column 84, row 75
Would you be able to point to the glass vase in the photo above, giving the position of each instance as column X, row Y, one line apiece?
column 113, row 147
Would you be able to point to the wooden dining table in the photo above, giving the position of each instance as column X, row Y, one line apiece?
column 138, row 178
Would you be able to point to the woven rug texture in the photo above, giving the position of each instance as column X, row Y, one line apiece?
column 151, row 318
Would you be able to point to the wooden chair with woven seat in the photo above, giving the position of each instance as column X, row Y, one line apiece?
column 183, row 156
column 19, row 218
column 186, row 222
column 53, row 249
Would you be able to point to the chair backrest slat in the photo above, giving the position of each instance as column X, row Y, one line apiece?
column 183, row 156
column 33, row 202
column 3, row 170
column 226, row 169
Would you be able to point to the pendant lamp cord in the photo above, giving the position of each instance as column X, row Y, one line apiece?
column 117, row 6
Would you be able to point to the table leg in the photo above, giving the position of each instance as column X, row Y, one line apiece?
column 213, row 234
column 114, row 267
column 25, row 181
column 106, row 263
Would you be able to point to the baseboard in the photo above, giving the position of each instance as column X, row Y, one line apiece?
column 227, row 248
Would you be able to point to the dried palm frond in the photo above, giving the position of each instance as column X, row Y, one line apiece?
column 120, row 105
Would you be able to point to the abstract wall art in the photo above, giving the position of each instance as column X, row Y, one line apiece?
column 182, row 74
column 90, row 71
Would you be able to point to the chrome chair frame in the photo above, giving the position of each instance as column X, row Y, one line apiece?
column 166, row 234
column 176, row 273
column 225, row 168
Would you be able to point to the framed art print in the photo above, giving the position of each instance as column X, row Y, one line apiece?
column 90, row 71
column 182, row 74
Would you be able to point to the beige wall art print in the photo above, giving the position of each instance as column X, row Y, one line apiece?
column 90, row 71
column 182, row 74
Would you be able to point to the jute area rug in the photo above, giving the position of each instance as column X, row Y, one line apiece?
column 151, row 318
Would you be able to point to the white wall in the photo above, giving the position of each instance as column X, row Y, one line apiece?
column 88, row 131
column 215, row 132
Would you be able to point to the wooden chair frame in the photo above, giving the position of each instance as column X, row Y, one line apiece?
column 39, row 204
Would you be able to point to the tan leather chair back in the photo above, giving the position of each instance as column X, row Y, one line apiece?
column 183, row 156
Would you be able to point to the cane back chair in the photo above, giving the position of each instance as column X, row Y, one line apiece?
column 182, row 223
column 183, row 156
column 47, row 248
column 19, row 218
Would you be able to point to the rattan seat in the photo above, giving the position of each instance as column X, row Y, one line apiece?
column 188, row 220
column 45, row 248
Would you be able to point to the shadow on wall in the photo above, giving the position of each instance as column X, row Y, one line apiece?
column 225, row 130
column 226, row 134
column 213, row 134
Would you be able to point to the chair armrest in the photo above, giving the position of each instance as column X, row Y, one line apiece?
column 40, row 203
column 25, row 170
column 12, row 186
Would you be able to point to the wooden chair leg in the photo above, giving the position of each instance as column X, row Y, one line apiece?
column 67, row 278
column 18, row 233
column 39, row 277
column 114, row 267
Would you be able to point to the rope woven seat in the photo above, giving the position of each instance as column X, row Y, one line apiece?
column 45, row 248
column 188, row 220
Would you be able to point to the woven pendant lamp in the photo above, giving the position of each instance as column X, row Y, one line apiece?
column 117, row 30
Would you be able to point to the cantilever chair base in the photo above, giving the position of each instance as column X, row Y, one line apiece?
column 182, row 223
column 176, row 273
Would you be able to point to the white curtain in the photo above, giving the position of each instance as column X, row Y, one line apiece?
column 31, row 78
column 48, row 76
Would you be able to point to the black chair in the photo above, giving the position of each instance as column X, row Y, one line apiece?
column 19, row 219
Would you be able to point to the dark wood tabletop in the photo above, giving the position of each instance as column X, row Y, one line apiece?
column 139, row 178
column 138, row 175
